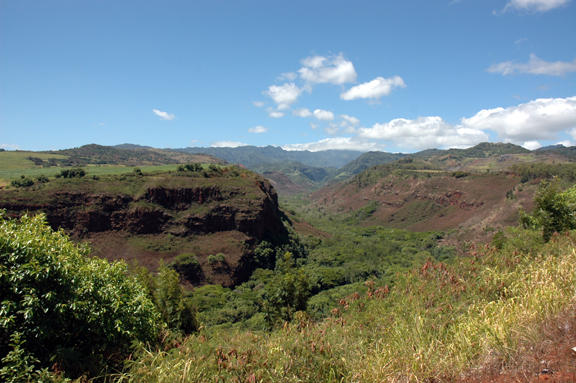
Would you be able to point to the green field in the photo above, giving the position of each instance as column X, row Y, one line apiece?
column 17, row 167
column 19, row 160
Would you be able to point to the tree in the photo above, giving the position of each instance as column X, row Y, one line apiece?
column 554, row 211
column 176, row 311
column 59, row 307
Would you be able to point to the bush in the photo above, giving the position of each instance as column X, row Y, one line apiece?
column 188, row 266
column 176, row 311
column 22, row 182
column 72, row 173
column 216, row 259
column 42, row 179
column 61, row 308
column 193, row 167
column 554, row 211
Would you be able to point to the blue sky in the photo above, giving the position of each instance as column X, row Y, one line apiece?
column 367, row 75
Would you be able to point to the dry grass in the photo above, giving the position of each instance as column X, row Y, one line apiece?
column 436, row 324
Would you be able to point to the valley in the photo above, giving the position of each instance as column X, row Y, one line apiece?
column 341, row 252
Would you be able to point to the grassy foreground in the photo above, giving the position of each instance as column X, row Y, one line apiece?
column 438, row 322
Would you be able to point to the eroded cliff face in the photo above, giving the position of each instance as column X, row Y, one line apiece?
column 148, row 219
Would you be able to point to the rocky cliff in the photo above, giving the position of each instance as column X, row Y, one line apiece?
column 163, row 216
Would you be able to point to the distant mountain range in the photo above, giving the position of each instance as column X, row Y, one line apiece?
column 296, row 171
column 254, row 157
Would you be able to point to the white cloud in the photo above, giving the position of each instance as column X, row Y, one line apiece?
column 535, row 5
column 349, row 120
column 258, row 104
column 374, row 89
column 283, row 95
column 349, row 123
column 323, row 115
column 566, row 143
column 332, row 129
column 290, row 76
column 163, row 115
column 302, row 113
column 424, row 133
column 532, row 145
column 227, row 144
column 275, row 114
column 10, row 146
column 327, row 70
column 534, row 66
column 258, row 129
column 540, row 119
column 338, row 143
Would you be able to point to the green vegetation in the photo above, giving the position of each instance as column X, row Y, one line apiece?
column 72, row 173
column 435, row 323
column 188, row 266
column 554, row 212
column 403, row 166
column 564, row 171
column 60, row 307
column 345, row 303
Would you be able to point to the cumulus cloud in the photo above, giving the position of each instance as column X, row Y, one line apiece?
column 540, row 119
column 349, row 123
column 258, row 104
column 289, row 76
column 374, row 89
column 534, row 66
column 258, row 129
column 323, row 115
column 336, row 143
column 163, row 115
column 275, row 114
column 350, row 120
column 302, row 113
column 227, row 144
column 424, row 133
column 535, row 5
column 532, row 145
column 328, row 70
column 284, row 95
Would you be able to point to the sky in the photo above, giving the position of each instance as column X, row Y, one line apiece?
column 395, row 76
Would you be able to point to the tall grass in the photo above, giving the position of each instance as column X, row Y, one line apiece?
column 439, row 321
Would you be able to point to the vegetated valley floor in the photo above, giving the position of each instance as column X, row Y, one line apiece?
column 165, row 213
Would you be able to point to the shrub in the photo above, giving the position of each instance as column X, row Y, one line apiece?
column 22, row 182
column 72, row 173
column 176, row 311
column 193, row 167
column 42, row 179
column 554, row 211
column 216, row 259
column 61, row 308
column 187, row 265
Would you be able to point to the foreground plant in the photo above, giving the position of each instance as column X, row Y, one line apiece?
column 63, row 310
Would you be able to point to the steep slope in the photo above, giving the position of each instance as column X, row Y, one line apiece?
column 253, row 157
column 428, row 199
column 366, row 161
column 182, row 216
column 122, row 155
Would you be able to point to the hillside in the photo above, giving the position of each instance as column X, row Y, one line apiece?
column 416, row 195
column 253, row 157
column 366, row 161
column 127, row 155
column 180, row 216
